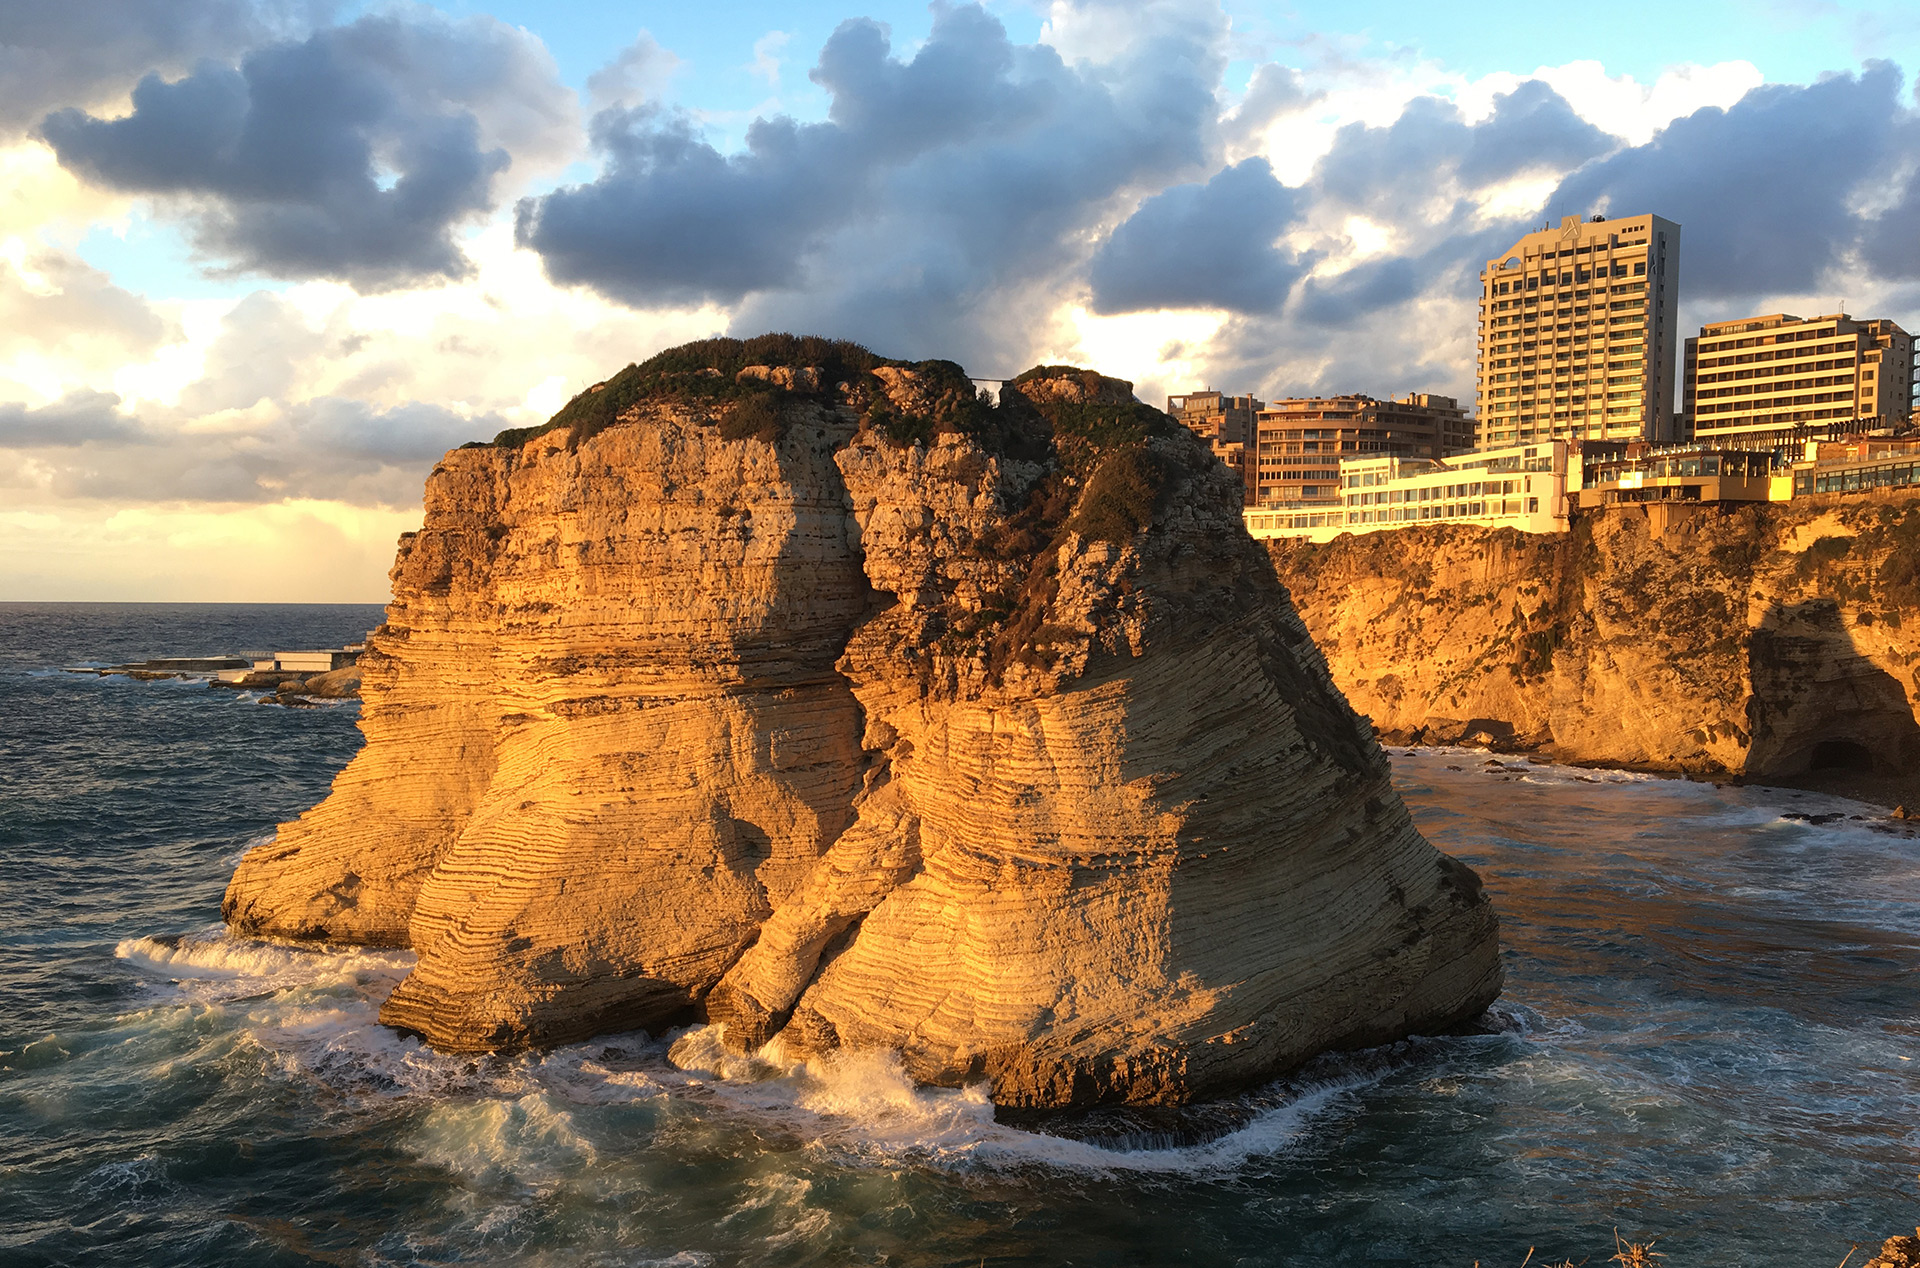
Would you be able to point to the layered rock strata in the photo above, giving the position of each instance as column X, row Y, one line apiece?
column 818, row 696
column 1771, row 641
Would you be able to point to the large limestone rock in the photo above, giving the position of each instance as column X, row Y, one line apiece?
column 1770, row 641
column 813, row 695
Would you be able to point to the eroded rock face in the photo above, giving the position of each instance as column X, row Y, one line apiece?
column 1768, row 641
column 863, row 714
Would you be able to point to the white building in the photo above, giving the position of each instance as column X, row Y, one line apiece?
column 1524, row 487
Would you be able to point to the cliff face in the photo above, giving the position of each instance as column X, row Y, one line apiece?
column 826, row 701
column 1773, row 641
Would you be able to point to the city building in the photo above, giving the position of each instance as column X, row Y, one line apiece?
column 1216, row 416
column 1682, row 473
column 1780, row 380
column 1526, row 487
column 1301, row 442
column 1226, row 422
column 1578, row 334
column 1857, row 464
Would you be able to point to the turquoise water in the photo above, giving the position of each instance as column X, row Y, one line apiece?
column 1710, row 1036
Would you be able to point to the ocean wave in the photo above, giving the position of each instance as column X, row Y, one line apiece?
column 213, row 956
column 861, row 1106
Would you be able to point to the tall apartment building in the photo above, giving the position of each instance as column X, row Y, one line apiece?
column 1578, row 333
column 1762, row 382
column 1300, row 443
column 1224, row 421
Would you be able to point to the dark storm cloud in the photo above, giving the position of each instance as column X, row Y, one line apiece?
column 353, row 154
column 1202, row 246
column 74, row 419
column 1449, row 262
column 935, row 186
column 1765, row 190
column 54, row 55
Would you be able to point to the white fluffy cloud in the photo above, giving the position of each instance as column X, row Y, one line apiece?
column 1099, row 197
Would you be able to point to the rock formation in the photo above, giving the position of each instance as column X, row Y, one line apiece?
column 1770, row 641
column 821, row 697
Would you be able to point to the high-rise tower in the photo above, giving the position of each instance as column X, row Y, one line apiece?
column 1578, row 331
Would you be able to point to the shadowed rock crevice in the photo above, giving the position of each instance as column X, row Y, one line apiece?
column 815, row 694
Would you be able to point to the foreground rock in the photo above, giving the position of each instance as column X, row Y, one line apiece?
column 813, row 695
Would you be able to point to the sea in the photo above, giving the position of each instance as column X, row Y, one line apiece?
column 1710, row 1040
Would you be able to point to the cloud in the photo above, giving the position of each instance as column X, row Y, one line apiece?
column 1273, row 92
column 54, row 307
column 327, row 448
column 354, row 154
column 88, row 54
column 1431, row 152
column 927, row 214
column 1202, row 246
column 75, row 419
column 638, row 74
column 1765, row 189
column 766, row 56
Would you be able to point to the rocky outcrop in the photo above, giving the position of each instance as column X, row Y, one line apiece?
column 818, row 696
column 1771, row 641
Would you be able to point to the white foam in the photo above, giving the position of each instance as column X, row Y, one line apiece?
column 527, row 1141
column 314, row 1013
column 214, row 957
column 862, row 1106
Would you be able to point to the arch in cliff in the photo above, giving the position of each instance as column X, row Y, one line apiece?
column 1819, row 703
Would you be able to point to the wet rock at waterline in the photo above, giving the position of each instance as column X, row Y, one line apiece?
column 821, row 697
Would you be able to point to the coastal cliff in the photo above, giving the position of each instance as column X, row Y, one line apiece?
column 820, row 697
column 1773, row 641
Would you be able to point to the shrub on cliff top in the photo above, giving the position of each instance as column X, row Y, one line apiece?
column 703, row 370
column 756, row 416
column 1094, row 417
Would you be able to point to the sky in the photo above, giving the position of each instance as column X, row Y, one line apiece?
column 263, row 261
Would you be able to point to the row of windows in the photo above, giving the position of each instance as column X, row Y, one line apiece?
column 1535, row 282
column 1501, row 306
column 1784, row 354
column 1730, row 376
column 1443, row 511
column 1628, row 364
column 1897, row 475
column 1428, row 493
column 1722, row 344
column 1624, row 343
column 1592, row 406
column 1777, row 385
column 1777, row 402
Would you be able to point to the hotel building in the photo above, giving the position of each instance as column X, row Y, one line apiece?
column 1301, row 443
column 1764, row 382
column 1525, row 487
column 1578, row 333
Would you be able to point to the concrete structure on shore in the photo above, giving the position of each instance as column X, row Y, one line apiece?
column 314, row 661
column 1578, row 331
column 1524, row 487
column 1780, row 380
column 1302, row 441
